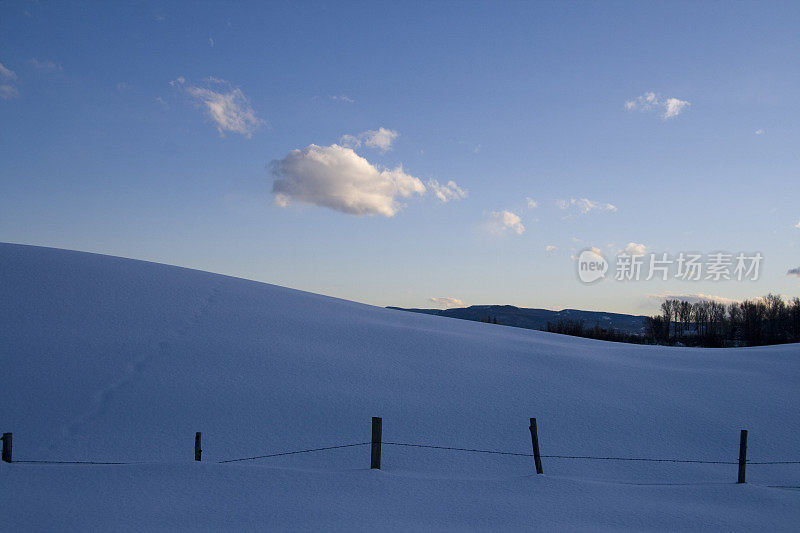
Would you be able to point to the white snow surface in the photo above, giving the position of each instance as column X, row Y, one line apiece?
column 111, row 359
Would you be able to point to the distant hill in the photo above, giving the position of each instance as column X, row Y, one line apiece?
column 522, row 317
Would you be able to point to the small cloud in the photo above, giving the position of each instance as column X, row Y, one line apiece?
column 122, row 86
column 447, row 302
column 675, row 107
column 532, row 204
column 7, row 74
column 635, row 249
column 45, row 65
column 797, row 225
column 477, row 148
column 382, row 139
column 501, row 222
column 8, row 92
column 337, row 178
column 225, row 105
column 448, row 192
column 211, row 42
column 550, row 249
column 162, row 102
column 585, row 205
column 760, row 131
column 342, row 98
column 793, row 272
column 667, row 107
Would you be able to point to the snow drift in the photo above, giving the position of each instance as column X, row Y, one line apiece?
column 110, row 359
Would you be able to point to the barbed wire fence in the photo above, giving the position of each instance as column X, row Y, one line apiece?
column 375, row 457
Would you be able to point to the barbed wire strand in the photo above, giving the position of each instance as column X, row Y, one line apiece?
column 447, row 448
column 74, row 462
column 294, row 452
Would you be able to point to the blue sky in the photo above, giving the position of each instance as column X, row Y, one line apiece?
column 182, row 133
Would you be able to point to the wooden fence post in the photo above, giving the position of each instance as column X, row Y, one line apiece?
column 198, row 451
column 535, row 442
column 742, row 455
column 375, row 458
column 6, row 447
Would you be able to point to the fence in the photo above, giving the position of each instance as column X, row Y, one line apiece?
column 377, row 442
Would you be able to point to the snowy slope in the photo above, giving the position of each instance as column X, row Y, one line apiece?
column 109, row 359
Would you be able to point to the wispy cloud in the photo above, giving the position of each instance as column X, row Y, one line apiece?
column 550, row 249
column 224, row 104
column 532, row 204
column 797, row 225
column 8, row 90
column 382, row 139
column 760, row 131
column 337, row 178
column 501, row 222
column 342, row 98
column 45, row 64
column 447, row 302
column 7, row 74
column 584, row 205
column 666, row 107
column 447, row 192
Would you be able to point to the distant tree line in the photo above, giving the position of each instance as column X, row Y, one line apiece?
column 767, row 320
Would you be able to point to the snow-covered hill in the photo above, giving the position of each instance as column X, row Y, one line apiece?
column 109, row 359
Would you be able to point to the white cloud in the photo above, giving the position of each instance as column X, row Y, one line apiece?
column 448, row 192
column 227, row 106
column 675, row 107
column 635, row 249
column 447, row 302
column 797, row 225
column 505, row 221
column 585, row 205
column 381, row 139
column 6, row 73
column 692, row 297
column 550, row 248
column 45, row 65
column 338, row 178
column 650, row 101
column 531, row 203
column 760, row 131
column 8, row 91
column 794, row 272
column 342, row 98
column 211, row 42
